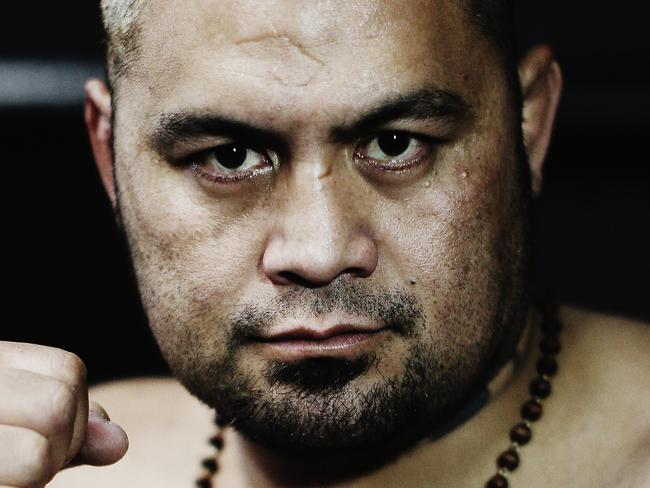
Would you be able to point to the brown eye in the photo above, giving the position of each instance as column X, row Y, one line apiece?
column 393, row 150
column 232, row 158
column 232, row 162
column 393, row 143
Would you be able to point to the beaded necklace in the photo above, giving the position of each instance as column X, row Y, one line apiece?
column 520, row 435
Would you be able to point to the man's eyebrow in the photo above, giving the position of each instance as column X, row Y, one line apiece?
column 422, row 104
column 174, row 128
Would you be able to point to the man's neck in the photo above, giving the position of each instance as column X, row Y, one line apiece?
column 463, row 448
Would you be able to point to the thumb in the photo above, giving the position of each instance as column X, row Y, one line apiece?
column 105, row 442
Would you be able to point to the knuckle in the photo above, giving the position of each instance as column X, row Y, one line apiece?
column 62, row 408
column 36, row 462
column 72, row 367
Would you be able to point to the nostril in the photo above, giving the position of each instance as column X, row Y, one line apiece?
column 359, row 272
column 289, row 277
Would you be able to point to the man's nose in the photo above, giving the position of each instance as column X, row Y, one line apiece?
column 317, row 241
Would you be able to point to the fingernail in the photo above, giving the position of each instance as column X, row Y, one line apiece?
column 122, row 433
column 95, row 415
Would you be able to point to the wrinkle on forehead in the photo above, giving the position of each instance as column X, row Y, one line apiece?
column 196, row 50
column 276, row 40
column 273, row 47
column 294, row 35
column 309, row 23
column 283, row 42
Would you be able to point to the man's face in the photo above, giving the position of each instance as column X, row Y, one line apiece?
column 323, row 206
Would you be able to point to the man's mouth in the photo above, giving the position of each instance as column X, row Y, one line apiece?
column 344, row 340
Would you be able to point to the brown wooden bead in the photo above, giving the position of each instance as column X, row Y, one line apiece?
column 531, row 410
column 540, row 388
column 217, row 442
column 550, row 345
column 508, row 459
column 210, row 464
column 552, row 326
column 497, row 481
column 205, row 482
column 547, row 365
column 521, row 434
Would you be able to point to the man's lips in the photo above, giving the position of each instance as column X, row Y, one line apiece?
column 300, row 342
column 319, row 334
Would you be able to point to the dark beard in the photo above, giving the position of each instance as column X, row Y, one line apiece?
column 314, row 409
column 321, row 406
column 316, row 376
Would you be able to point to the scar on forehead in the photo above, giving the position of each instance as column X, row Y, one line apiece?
column 281, row 46
column 280, row 41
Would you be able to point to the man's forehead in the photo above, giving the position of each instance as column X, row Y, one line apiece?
column 268, row 52
column 307, row 22
column 286, row 29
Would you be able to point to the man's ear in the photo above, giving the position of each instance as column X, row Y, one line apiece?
column 98, row 123
column 541, row 84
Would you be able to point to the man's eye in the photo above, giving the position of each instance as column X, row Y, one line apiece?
column 231, row 163
column 392, row 149
column 233, row 158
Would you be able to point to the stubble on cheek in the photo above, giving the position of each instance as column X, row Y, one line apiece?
column 471, row 230
column 489, row 265
column 178, row 269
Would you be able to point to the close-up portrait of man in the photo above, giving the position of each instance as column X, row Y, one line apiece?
column 328, row 208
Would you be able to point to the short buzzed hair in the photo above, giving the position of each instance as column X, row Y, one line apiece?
column 495, row 18
column 121, row 29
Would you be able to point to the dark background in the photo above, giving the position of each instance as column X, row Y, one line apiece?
column 66, row 277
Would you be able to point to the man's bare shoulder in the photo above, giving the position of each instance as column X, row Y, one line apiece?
column 605, row 361
column 168, row 431
column 602, row 394
column 148, row 406
column 609, row 347
column 125, row 396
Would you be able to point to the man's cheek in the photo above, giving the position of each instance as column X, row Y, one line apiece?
column 202, row 264
column 447, row 224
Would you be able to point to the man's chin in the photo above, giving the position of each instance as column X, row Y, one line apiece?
column 329, row 424
column 319, row 377
column 334, row 407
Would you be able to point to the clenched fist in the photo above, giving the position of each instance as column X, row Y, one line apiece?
column 45, row 420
